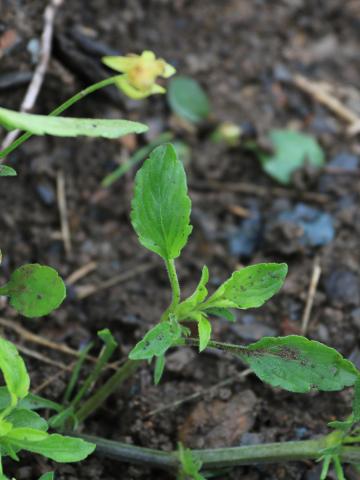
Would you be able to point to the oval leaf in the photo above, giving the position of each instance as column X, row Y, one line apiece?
column 250, row 287
column 161, row 206
column 156, row 341
column 35, row 290
column 298, row 364
column 6, row 171
column 187, row 99
column 69, row 127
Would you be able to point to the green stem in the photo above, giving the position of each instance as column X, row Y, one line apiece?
column 227, row 347
column 223, row 457
column 175, row 288
column 60, row 109
column 99, row 397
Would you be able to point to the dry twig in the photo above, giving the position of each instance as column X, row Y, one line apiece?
column 39, row 73
column 81, row 273
column 199, row 394
column 324, row 96
column 315, row 277
column 37, row 339
column 259, row 190
column 62, row 205
column 87, row 290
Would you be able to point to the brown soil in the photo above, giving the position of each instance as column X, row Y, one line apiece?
column 240, row 51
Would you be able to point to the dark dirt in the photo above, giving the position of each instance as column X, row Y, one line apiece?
column 241, row 52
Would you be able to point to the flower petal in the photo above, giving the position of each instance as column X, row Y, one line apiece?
column 121, row 64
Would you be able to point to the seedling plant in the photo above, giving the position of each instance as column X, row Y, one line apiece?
column 160, row 215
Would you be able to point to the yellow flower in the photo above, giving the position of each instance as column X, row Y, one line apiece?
column 140, row 73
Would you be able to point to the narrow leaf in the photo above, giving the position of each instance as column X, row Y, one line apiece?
column 161, row 206
column 68, row 127
column 156, row 341
column 356, row 401
column 196, row 298
column 35, row 290
column 298, row 364
column 204, row 327
column 35, row 402
column 222, row 313
column 14, row 371
column 250, row 287
column 159, row 368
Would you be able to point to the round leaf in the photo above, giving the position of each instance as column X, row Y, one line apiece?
column 35, row 290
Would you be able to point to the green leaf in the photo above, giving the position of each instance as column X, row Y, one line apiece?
column 14, row 371
column 159, row 368
column 47, row 476
column 204, row 328
column 292, row 151
column 35, row 402
column 6, row 171
column 344, row 426
column 137, row 157
column 26, row 434
column 298, row 364
column 356, row 401
column 21, row 418
column 57, row 447
column 161, row 206
column 156, row 341
column 190, row 464
column 187, row 99
column 249, row 287
column 222, row 313
column 199, row 295
column 68, row 127
column 35, row 290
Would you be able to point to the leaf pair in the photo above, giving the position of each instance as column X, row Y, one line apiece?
column 249, row 287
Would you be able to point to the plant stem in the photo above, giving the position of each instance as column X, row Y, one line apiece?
column 223, row 457
column 175, row 288
column 99, row 397
column 61, row 108
column 227, row 347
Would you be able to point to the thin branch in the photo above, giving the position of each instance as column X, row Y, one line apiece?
column 41, row 68
column 315, row 277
